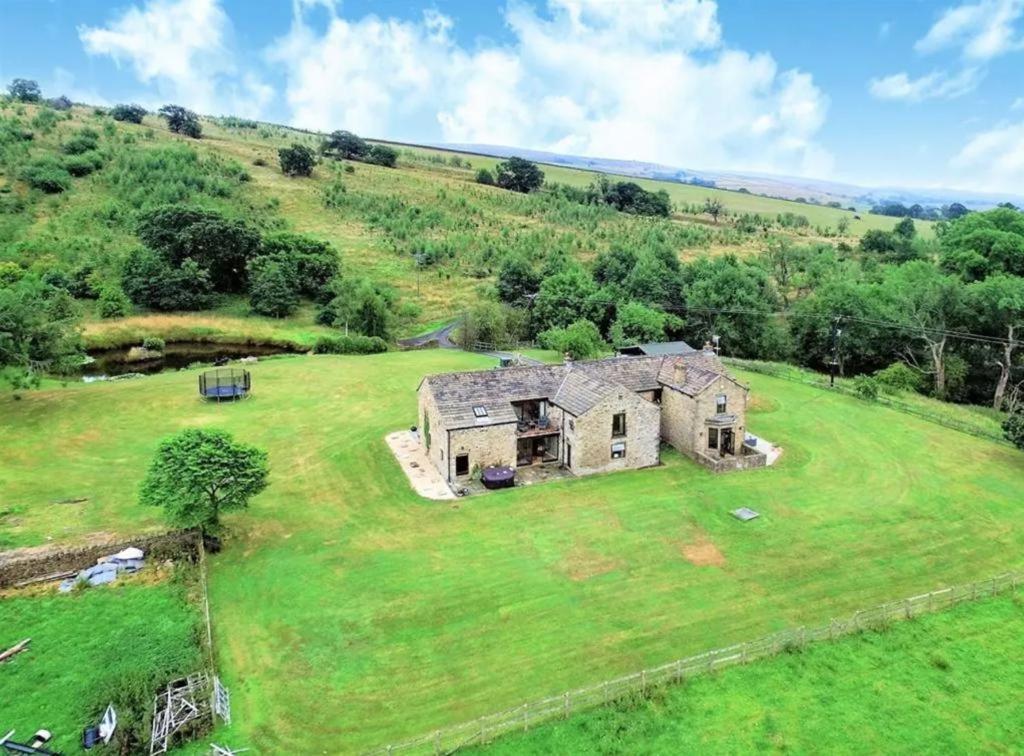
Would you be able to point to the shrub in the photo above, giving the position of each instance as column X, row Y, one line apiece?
column 150, row 281
column 297, row 160
column 581, row 340
column 128, row 113
column 260, row 162
column 84, row 141
column 898, row 377
column 354, row 344
column 113, row 303
column 484, row 176
column 154, row 344
column 182, row 121
column 1013, row 428
column 84, row 164
column 47, row 175
column 866, row 387
column 381, row 154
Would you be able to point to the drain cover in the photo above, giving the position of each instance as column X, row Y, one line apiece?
column 744, row 514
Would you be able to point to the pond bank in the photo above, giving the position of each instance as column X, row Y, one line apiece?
column 176, row 355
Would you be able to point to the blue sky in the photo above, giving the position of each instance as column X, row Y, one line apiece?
column 876, row 93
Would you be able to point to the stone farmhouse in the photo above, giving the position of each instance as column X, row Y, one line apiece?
column 586, row 416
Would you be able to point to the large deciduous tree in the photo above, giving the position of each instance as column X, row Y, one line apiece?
column 928, row 305
column 997, row 304
column 38, row 331
column 517, row 280
column 128, row 113
column 519, row 175
column 25, row 90
column 982, row 244
column 182, row 121
column 345, row 145
column 198, row 474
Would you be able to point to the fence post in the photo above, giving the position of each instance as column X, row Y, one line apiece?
column 679, row 671
column 906, row 608
column 437, row 742
column 525, row 720
column 566, row 704
column 643, row 681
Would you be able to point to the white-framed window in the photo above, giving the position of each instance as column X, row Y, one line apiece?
column 480, row 411
column 619, row 450
column 720, row 404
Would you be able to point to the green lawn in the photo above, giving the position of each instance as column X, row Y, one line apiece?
column 349, row 613
column 940, row 684
column 112, row 644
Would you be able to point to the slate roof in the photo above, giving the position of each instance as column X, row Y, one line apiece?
column 575, row 387
column 659, row 348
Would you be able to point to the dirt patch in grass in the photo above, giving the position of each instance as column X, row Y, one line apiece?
column 703, row 552
column 582, row 563
column 761, row 403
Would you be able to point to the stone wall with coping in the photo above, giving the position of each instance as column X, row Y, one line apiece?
column 19, row 565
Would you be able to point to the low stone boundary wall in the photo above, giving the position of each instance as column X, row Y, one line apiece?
column 20, row 565
column 745, row 461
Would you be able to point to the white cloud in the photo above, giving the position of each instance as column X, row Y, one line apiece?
column 993, row 160
column 934, row 86
column 980, row 30
column 1017, row 104
column 584, row 76
column 183, row 48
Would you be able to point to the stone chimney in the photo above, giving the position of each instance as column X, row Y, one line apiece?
column 679, row 373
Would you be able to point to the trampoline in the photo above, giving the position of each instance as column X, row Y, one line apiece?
column 223, row 384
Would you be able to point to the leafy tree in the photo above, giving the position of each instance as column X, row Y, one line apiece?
column 128, row 113
column 565, row 298
column 38, row 332
column 372, row 314
column 898, row 377
column 516, row 280
column 382, row 154
column 60, row 103
column 149, row 280
column 271, row 290
column 221, row 246
column 519, row 175
column 714, row 208
column 982, row 244
column 311, row 263
column 843, row 225
column 894, row 246
column 905, row 228
column 182, row 121
column 997, row 306
column 580, row 340
column 929, row 304
column 113, row 303
column 297, row 160
column 484, row 176
column 25, row 90
column 198, row 474
column 1013, row 428
column 733, row 300
column 636, row 323
column 493, row 323
column 630, row 197
column 346, row 145
column 954, row 210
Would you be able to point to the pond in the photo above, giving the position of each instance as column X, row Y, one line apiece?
column 176, row 355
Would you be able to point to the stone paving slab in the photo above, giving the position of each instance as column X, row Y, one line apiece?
column 426, row 479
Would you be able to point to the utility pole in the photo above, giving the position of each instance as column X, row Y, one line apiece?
column 836, row 334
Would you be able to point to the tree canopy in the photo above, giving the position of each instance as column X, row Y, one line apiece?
column 182, row 121
column 198, row 474
column 297, row 160
column 519, row 175
column 25, row 90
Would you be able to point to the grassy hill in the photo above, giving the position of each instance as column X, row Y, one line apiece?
column 348, row 612
column 379, row 219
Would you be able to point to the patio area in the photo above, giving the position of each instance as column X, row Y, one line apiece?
column 425, row 479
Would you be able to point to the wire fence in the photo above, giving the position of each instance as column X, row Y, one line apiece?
column 796, row 375
column 531, row 714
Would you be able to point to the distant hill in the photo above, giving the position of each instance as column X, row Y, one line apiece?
column 784, row 187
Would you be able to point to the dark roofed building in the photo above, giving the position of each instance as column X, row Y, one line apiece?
column 588, row 416
column 658, row 349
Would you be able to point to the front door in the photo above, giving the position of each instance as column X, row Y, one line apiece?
column 726, row 441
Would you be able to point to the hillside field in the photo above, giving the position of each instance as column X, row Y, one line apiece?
column 938, row 684
column 349, row 613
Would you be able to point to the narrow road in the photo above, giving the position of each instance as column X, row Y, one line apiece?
column 443, row 337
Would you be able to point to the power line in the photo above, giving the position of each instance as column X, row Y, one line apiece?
column 828, row 317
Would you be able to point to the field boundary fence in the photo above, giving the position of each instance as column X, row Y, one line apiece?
column 787, row 374
column 533, row 713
